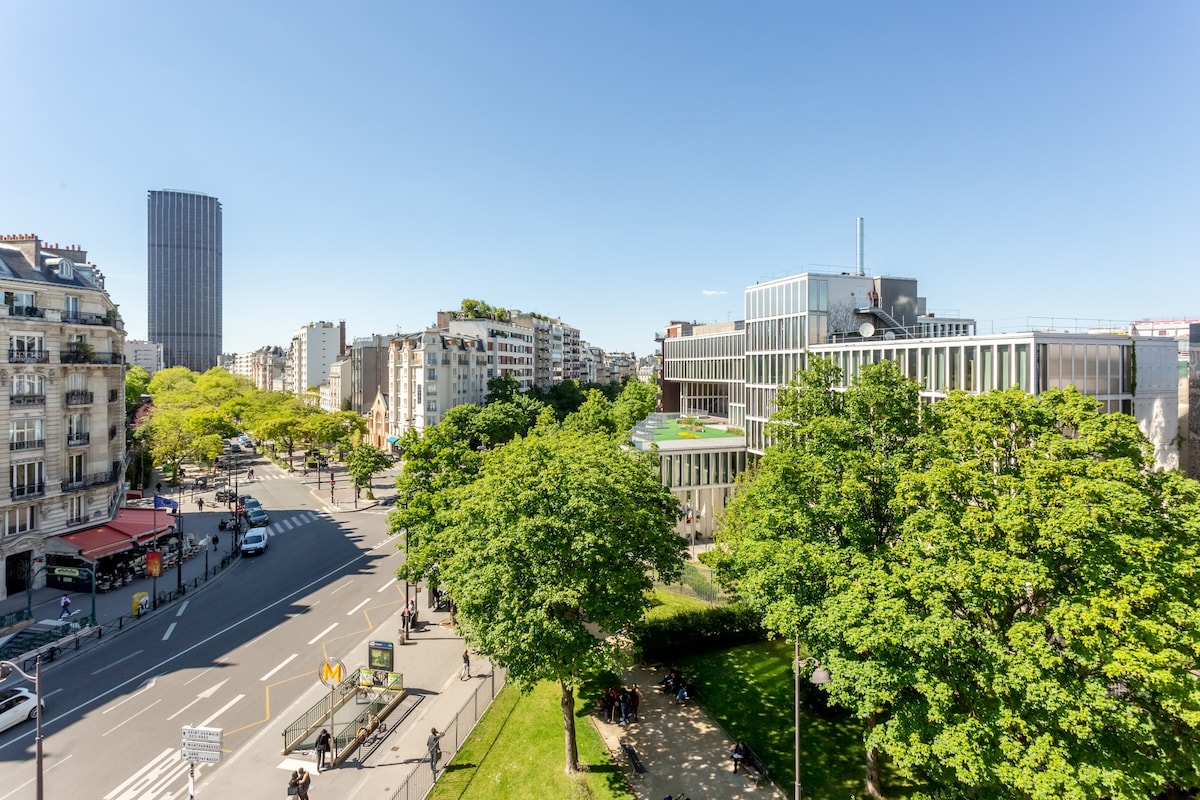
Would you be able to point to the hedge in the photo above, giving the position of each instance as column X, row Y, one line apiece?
column 692, row 632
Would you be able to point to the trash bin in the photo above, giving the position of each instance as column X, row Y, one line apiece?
column 141, row 603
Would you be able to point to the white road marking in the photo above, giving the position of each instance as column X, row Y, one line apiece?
column 143, row 688
column 287, row 523
column 170, row 630
column 386, row 586
column 57, row 762
column 118, row 661
column 198, row 676
column 286, row 661
column 318, row 637
column 320, row 580
column 224, row 708
column 138, row 775
column 182, row 608
column 207, row 693
column 132, row 717
column 357, row 607
column 343, row 586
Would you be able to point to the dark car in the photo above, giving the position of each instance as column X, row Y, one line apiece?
column 225, row 495
column 258, row 517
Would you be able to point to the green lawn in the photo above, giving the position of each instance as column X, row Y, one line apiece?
column 516, row 753
column 669, row 603
column 671, row 430
column 750, row 689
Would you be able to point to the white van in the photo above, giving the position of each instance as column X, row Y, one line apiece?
column 254, row 543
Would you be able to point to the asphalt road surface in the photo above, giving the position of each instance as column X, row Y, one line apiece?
column 242, row 654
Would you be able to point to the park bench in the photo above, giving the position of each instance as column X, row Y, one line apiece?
column 754, row 766
column 634, row 759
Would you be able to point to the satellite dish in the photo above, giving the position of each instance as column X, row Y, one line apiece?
column 866, row 330
column 889, row 335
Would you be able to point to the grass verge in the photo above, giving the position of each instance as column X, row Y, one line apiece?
column 517, row 753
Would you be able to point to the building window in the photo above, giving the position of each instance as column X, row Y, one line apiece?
column 76, row 509
column 76, row 469
column 24, row 434
column 20, row 520
column 430, row 374
column 26, row 347
column 431, row 405
column 27, row 479
column 27, row 385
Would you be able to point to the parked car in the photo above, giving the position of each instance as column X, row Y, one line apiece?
column 225, row 495
column 258, row 517
column 17, row 704
column 254, row 543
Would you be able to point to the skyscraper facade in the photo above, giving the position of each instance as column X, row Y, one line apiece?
column 185, row 277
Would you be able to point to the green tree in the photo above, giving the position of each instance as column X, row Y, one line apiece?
column 559, row 530
column 363, row 463
column 998, row 585
column 137, row 379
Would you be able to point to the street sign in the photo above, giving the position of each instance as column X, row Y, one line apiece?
column 202, row 756
column 200, row 744
column 332, row 672
column 209, row 747
column 66, row 572
column 194, row 733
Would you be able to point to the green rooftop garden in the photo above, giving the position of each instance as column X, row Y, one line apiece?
column 683, row 429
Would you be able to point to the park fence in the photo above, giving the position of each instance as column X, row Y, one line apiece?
column 699, row 582
column 420, row 781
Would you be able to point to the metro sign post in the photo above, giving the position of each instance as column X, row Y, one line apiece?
column 199, row 744
column 332, row 673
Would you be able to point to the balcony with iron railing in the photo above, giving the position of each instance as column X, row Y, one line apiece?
column 26, row 444
column 79, row 318
column 26, row 311
column 82, row 356
column 27, row 399
column 23, row 490
column 78, row 439
column 79, row 397
column 29, row 356
column 85, row 482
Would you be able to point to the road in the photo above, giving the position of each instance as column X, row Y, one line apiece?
column 242, row 654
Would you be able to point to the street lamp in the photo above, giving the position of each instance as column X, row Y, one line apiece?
column 820, row 675
column 7, row 668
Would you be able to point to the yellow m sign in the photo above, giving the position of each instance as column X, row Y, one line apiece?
column 332, row 672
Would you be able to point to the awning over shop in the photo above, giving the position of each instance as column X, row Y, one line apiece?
column 393, row 439
column 131, row 526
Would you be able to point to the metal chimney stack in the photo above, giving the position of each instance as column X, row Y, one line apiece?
column 860, row 272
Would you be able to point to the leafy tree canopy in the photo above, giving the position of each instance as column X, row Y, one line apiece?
column 1000, row 586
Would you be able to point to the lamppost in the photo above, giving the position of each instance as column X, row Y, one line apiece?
column 7, row 668
column 820, row 675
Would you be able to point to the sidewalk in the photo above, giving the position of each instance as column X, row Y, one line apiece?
column 682, row 748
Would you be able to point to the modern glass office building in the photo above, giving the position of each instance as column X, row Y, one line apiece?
column 184, row 267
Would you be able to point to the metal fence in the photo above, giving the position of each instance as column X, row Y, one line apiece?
column 420, row 781
column 699, row 582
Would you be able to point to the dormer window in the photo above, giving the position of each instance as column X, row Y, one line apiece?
column 66, row 269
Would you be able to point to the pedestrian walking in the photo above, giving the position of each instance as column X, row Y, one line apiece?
column 435, row 750
column 324, row 741
column 200, row 503
column 466, row 667
column 303, row 783
column 293, row 784
column 64, row 607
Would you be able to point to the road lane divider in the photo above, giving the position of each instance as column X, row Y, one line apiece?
column 320, row 635
column 355, row 610
column 285, row 662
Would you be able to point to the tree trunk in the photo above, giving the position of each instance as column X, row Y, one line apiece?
column 873, row 787
column 568, row 709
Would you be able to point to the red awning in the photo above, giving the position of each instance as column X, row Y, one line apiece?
column 130, row 526
column 96, row 543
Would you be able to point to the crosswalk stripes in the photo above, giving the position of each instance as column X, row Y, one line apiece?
column 292, row 522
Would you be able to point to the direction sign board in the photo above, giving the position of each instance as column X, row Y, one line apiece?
column 66, row 572
column 194, row 733
column 200, row 744
column 202, row 756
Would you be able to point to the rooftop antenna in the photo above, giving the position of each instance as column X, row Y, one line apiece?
column 860, row 272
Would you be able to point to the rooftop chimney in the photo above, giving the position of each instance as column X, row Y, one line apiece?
column 860, row 272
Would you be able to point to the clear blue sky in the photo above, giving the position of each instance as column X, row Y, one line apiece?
column 616, row 164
